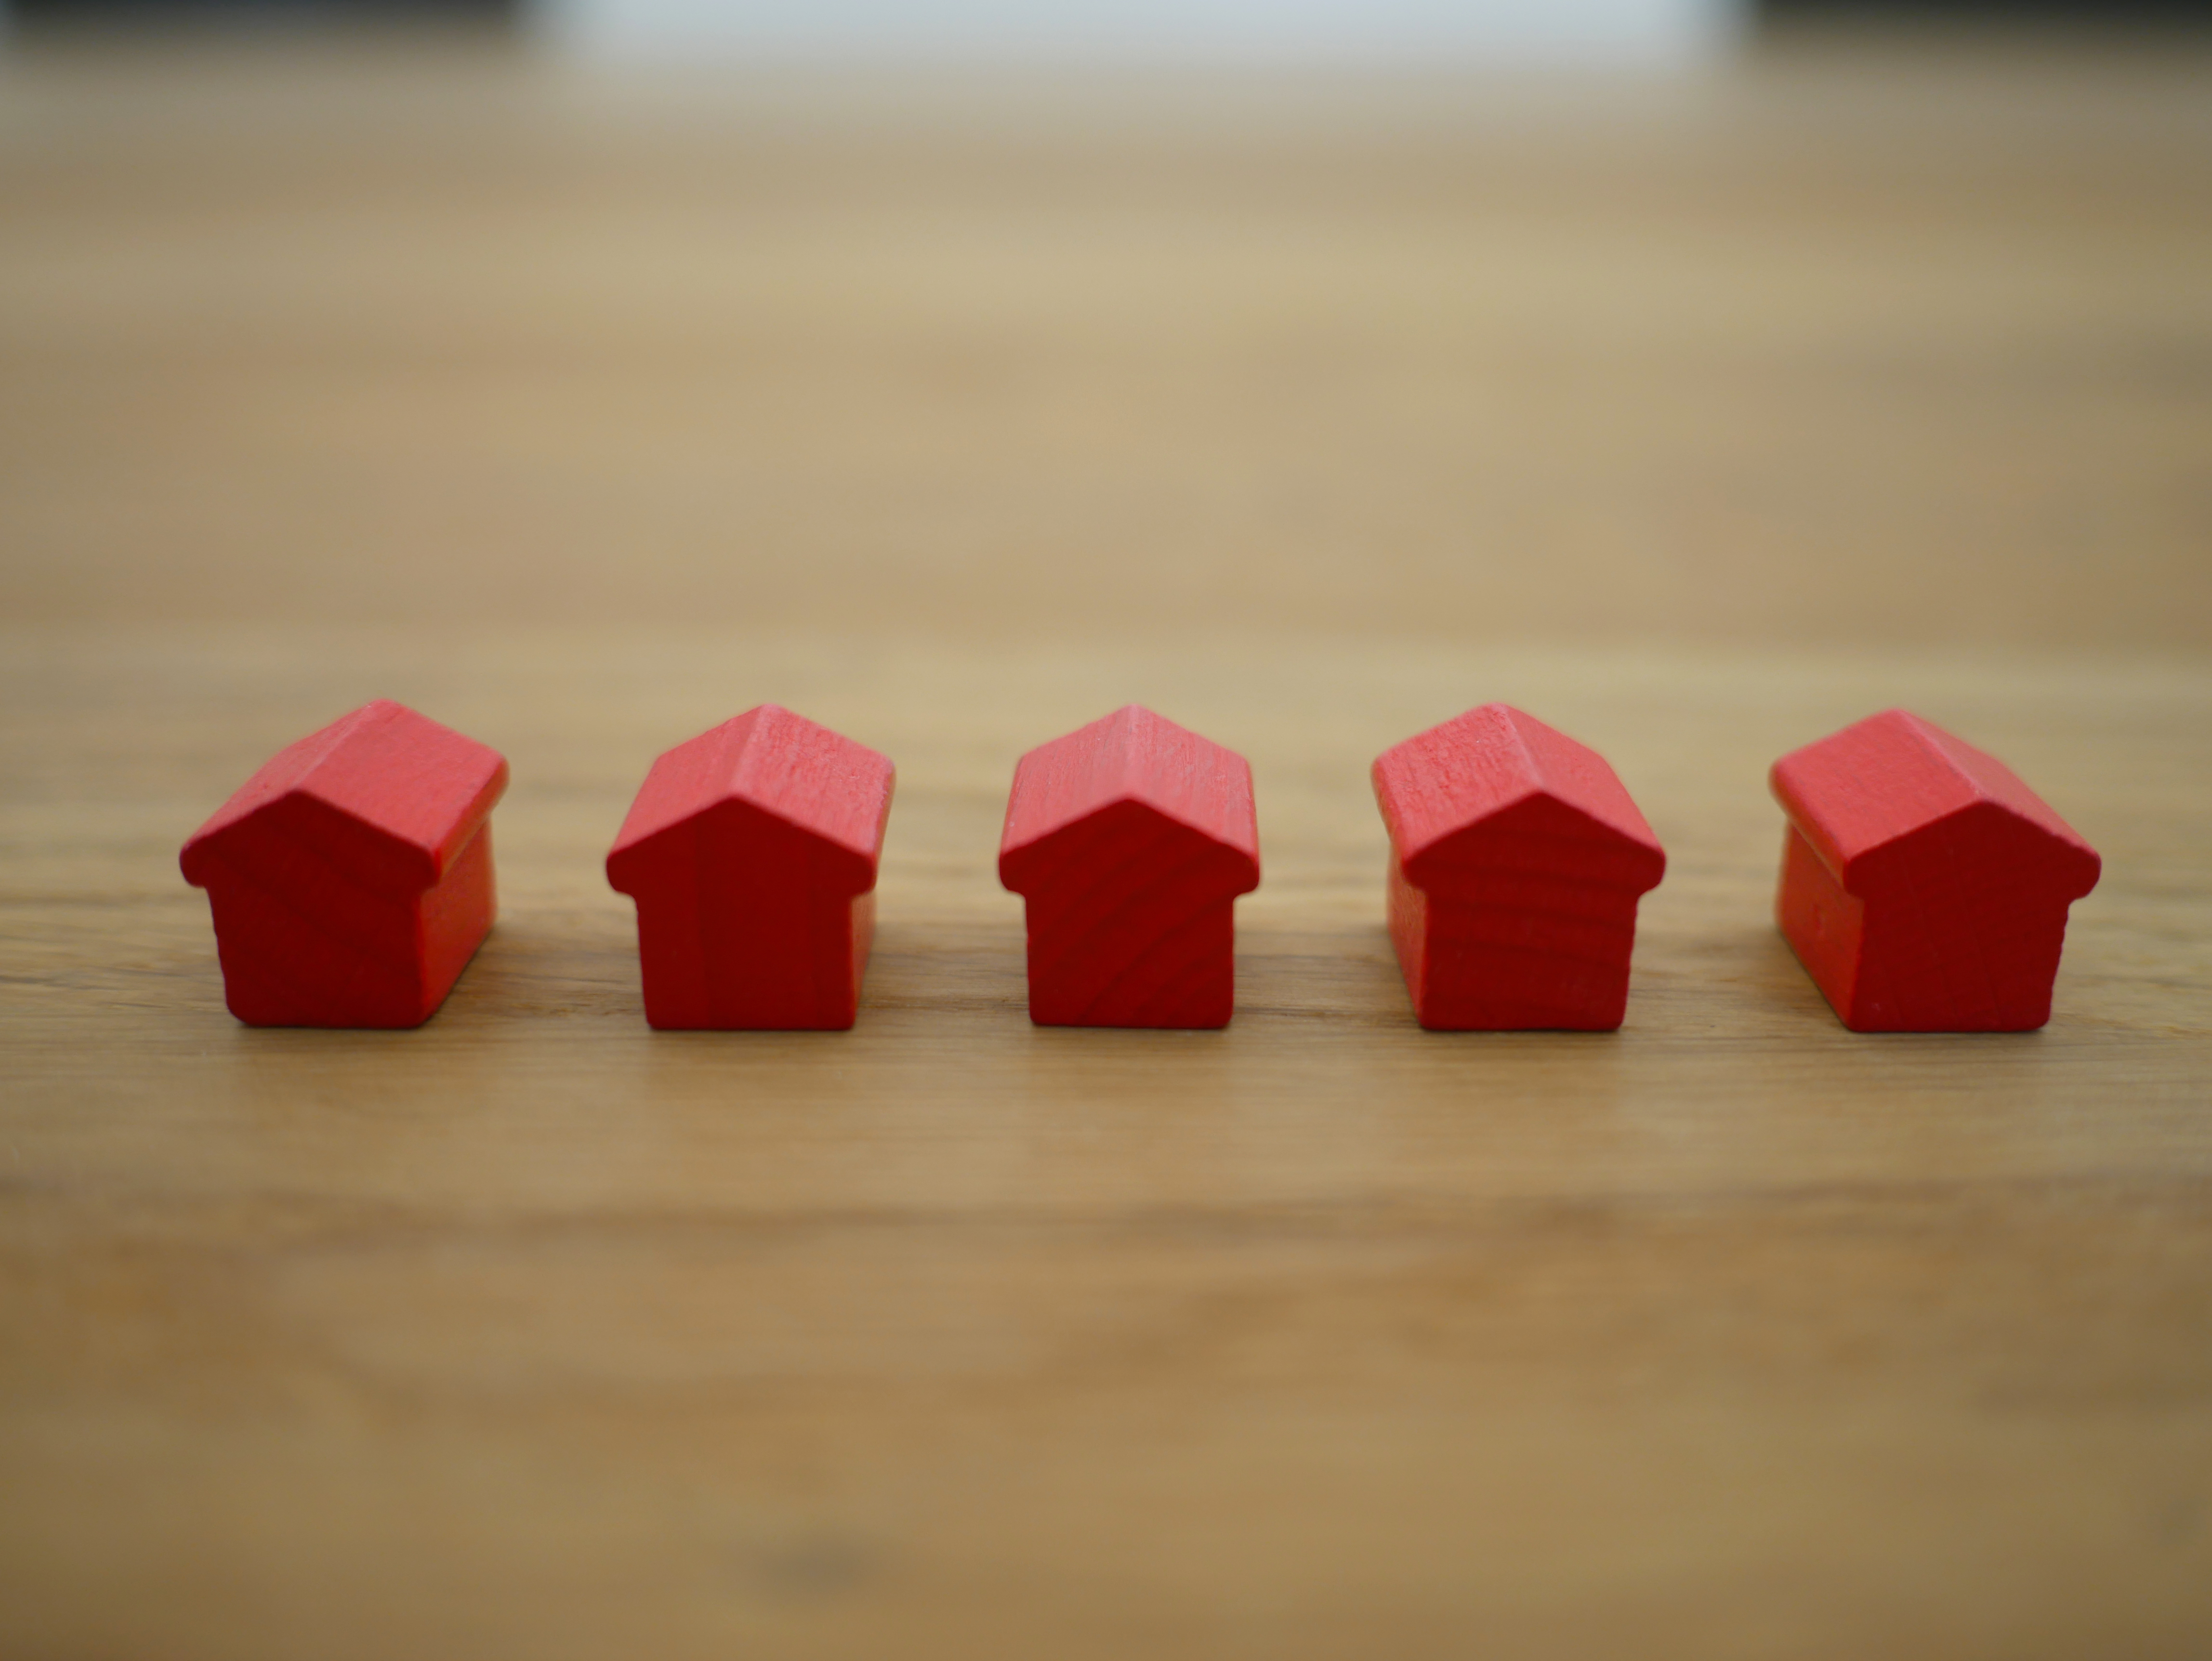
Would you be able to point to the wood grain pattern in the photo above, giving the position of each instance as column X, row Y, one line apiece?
column 534, row 1333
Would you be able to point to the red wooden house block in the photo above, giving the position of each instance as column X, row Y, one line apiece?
column 351, row 877
column 1130, row 840
column 1516, row 860
column 752, row 853
column 1923, row 886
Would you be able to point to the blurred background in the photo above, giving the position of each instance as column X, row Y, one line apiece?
column 1587, row 321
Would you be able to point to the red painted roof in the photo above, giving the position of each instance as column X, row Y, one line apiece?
column 780, row 764
column 1131, row 755
column 1895, row 776
column 418, row 788
column 1494, row 764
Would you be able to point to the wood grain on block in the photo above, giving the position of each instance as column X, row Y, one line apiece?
column 1924, row 887
column 351, row 877
column 1130, row 840
column 751, row 852
column 1516, row 860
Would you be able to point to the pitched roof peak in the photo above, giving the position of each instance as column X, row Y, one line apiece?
column 422, row 785
column 1136, row 755
column 779, row 763
column 1466, row 772
column 1892, row 776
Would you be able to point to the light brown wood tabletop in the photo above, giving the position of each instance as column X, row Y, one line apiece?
column 1698, row 418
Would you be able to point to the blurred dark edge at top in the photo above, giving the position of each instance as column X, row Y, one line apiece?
column 66, row 17
column 2084, row 12
column 71, row 17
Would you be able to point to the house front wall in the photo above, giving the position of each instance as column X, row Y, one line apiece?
column 747, row 922
column 1957, row 928
column 1549, row 955
column 339, row 956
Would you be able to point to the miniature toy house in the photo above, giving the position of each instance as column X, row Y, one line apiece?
column 1129, row 840
column 1924, row 887
column 1516, row 861
column 751, row 852
column 351, row 877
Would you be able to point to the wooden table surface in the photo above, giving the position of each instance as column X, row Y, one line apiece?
column 582, row 413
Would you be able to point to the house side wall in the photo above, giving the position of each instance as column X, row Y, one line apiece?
column 457, row 913
column 1824, row 925
column 1409, row 929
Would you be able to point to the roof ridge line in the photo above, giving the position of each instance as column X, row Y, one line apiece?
column 340, row 731
column 1131, row 768
column 1514, row 716
column 1931, row 737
